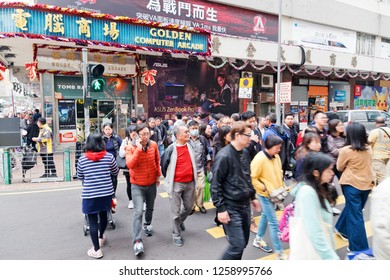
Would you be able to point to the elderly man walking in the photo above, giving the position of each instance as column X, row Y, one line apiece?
column 179, row 170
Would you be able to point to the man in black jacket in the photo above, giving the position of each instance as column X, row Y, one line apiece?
column 232, row 191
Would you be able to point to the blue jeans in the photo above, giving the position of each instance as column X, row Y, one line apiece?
column 237, row 231
column 161, row 150
column 268, row 216
column 351, row 221
column 140, row 195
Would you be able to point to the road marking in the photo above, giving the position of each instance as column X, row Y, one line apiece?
column 216, row 232
column 41, row 191
column 164, row 195
column 340, row 200
column 339, row 243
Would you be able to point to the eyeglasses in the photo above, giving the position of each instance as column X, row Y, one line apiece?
column 246, row 134
column 144, row 134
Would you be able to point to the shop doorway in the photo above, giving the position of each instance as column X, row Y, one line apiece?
column 109, row 111
column 106, row 113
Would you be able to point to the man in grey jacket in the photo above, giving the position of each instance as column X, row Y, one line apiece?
column 180, row 179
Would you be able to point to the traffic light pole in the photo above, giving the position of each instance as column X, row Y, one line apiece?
column 87, row 124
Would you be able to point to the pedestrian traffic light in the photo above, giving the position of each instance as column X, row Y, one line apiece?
column 97, row 83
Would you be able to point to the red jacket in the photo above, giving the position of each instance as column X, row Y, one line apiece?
column 144, row 166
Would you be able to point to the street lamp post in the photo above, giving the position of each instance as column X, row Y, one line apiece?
column 278, row 107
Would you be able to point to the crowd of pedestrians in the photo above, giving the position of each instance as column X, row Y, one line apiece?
column 244, row 159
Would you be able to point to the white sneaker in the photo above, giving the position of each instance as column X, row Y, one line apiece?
column 138, row 248
column 336, row 211
column 282, row 257
column 260, row 243
column 95, row 254
column 131, row 204
column 342, row 236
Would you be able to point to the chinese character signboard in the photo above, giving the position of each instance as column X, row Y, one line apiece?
column 83, row 26
column 246, row 87
column 285, row 92
column 218, row 18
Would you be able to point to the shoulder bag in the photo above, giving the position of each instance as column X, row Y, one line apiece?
column 121, row 162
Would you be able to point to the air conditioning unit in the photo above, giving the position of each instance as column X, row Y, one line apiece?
column 267, row 81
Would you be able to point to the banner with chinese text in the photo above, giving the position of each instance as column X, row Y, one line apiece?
column 75, row 26
column 218, row 18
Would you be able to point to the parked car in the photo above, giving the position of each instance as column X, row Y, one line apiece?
column 365, row 117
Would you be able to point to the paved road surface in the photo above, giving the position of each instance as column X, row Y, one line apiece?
column 42, row 221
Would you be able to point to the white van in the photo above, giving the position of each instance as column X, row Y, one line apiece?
column 365, row 117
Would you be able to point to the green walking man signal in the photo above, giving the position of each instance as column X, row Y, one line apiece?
column 95, row 73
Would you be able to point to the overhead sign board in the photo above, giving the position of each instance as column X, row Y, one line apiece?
column 79, row 25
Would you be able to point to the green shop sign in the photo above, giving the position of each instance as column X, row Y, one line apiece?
column 67, row 87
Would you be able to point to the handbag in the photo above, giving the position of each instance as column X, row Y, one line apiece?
column 121, row 162
column 278, row 195
column 301, row 247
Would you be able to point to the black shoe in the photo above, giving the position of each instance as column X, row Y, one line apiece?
column 203, row 210
column 45, row 176
column 182, row 227
column 53, row 175
column 192, row 211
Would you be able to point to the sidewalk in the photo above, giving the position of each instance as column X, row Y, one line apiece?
column 19, row 186
column 34, row 173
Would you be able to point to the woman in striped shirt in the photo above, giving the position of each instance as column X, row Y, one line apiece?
column 95, row 169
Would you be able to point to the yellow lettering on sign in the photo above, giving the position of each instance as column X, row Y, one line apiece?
column 54, row 23
column 154, row 42
column 70, row 56
column 98, row 58
column 110, row 59
column 56, row 54
column 111, row 30
column 122, row 60
column 170, row 34
column 191, row 46
column 84, row 27
column 20, row 19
